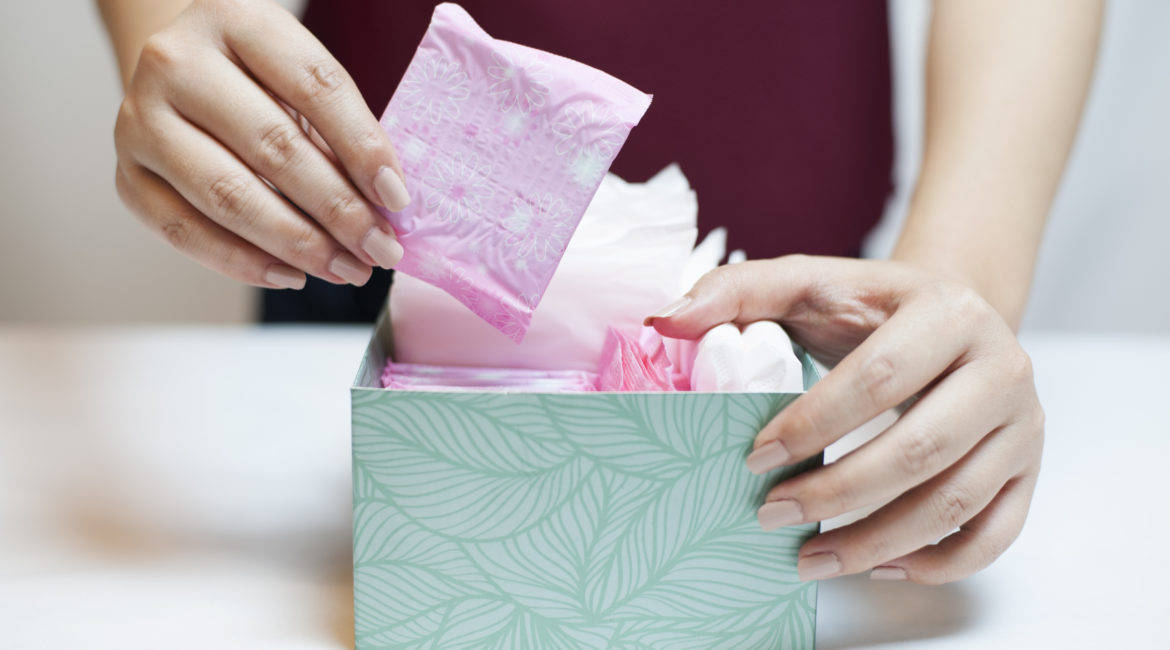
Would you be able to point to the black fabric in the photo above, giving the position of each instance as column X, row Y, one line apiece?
column 322, row 302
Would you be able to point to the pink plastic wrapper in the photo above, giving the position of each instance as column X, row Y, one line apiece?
column 457, row 378
column 629, row 364
column 503, row 147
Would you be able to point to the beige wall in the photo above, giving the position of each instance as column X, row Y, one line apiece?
column 70, row 252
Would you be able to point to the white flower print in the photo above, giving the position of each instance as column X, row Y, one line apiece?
column 413, row 148
column 588, row 167
column 520, row 83
column 431, row 268
column 515, row 123
column 433, row 89
column 457, row 188
column 586, row 127
column 460, row 286
column 539, row 229
column 503, row 316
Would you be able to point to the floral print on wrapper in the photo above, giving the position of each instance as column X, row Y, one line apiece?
column 519, row 84
column 538, row 231
column 457, row 188
column 434, row 90
column 503, row 147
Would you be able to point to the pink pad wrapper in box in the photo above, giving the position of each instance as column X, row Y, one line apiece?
column 503, row 146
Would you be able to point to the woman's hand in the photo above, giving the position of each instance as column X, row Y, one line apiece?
column 234, row 105
column 964, row 455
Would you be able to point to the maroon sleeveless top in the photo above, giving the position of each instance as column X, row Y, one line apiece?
column 777, row 111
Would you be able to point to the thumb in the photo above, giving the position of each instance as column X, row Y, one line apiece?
column 738, row 293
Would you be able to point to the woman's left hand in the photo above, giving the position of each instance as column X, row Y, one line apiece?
column 965, row 455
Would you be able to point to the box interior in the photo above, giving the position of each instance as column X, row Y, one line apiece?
column 369, row 375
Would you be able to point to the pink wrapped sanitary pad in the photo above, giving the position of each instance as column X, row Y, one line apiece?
column 503, row 147
column 456, row 378
column 629, row 364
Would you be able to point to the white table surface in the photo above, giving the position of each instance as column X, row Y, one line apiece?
column 189, row 488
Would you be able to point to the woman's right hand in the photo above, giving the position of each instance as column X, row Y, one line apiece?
column 215, row 109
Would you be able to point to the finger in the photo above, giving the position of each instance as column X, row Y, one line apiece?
column 896, row 361
column 976, row 545
column 921, row 516
column 745, row 292
column 221, row 187
column 313, row 133
column 289, row 61
column 171, row 217
column 786, row 288
column 250, row 123
column 932, row 435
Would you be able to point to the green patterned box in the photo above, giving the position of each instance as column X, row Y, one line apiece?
column 583, row 520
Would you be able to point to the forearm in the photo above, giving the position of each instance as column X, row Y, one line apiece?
column 1006, row 81
column 131, row 22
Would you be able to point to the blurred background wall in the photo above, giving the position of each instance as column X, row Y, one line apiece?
column 1105, row 262
column 69, row 251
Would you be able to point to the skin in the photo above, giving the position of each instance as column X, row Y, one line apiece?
column 201, row 126
column 1006, row 81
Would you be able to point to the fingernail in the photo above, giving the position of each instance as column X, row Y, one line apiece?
column 348, row 268
column 391, row 189
column 769, row 455
column 382, row 247
column 669, row 310
column 284, row 277
column 777, row 514
column 888, row 573
column 818, row 566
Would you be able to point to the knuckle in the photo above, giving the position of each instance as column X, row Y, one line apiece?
column 341, row 210
column 952, row 506
column 968, row 305
column 319, row 81
column 919, row 452
column 874, row 549
column 1039, row 419
column 235, row 263
column 177, row 232
column 122, row 185
column 371, row 140
column 128, row 115
column 306, row 246
column 278, row 146
column 878, row 379
column 836, row 496
column 1019, row 370
column 160, row 52
column 802, row 418
column 990, row 547
column 229, row 195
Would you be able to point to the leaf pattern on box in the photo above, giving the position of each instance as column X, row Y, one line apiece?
column 496, row 520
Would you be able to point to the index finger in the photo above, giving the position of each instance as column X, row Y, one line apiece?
column 914, row 347
column 290, row 62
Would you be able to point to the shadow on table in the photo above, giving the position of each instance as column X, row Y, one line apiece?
column 856, row 612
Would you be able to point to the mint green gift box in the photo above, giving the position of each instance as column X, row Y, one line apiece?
column 568, row 520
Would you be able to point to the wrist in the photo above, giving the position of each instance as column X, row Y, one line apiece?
column 998, row 284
